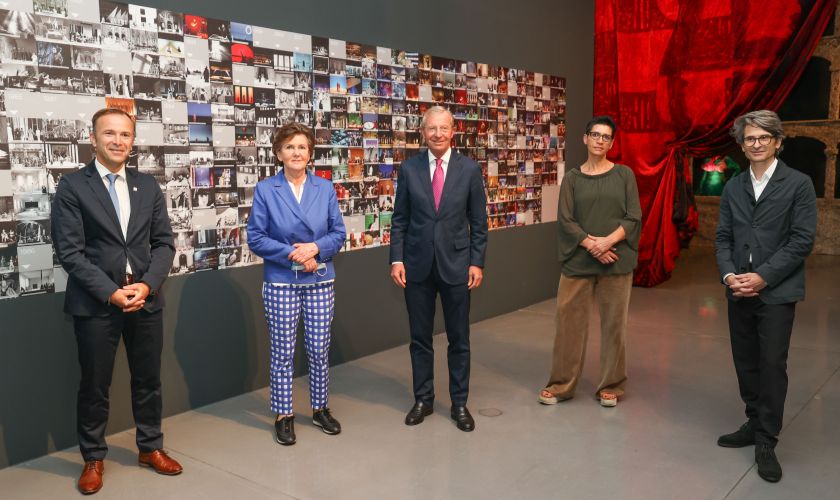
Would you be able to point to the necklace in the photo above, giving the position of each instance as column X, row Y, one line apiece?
column 589, row 169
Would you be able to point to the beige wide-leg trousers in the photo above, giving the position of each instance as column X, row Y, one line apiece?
column 574, row 299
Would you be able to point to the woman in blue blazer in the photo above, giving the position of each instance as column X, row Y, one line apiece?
column 296, row 227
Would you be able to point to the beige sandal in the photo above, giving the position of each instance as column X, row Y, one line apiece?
column 608, row 399
column 551, row 399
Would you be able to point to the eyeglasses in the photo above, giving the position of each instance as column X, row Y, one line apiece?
column 438, row 130
column 597, row 136
column 762, row 139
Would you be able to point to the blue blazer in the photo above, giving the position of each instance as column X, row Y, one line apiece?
column 278, row 221
column 455, row 237
column 90, row 245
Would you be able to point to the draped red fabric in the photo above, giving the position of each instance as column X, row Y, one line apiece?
column 675, row 74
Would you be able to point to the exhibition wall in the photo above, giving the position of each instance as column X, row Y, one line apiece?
column 215, row 335
column 208, row 94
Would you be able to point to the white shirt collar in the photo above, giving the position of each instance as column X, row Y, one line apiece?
column 767, row 173
column 103, row 171
column 445, row 156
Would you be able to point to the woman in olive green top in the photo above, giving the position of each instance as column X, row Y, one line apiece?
column 599, row 220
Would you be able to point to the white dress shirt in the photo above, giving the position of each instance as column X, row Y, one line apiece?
column 298, row 193
column 444, row 164
column 121, row 186
column 759, row 184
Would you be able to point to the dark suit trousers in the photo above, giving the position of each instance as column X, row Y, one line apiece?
column 420, row 302
column 760, row 336
column 97, row 339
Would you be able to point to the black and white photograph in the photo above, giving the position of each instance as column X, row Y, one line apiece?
column 170, row 22
column 144, row 41
column 119, row 85
column 8, row 240
column 50, row 7
column 32, row 231
column 224, row 157
column 183, row 262
column 9, row 288
column 115, row 37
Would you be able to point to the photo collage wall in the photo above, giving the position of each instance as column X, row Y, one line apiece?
column 208, row 95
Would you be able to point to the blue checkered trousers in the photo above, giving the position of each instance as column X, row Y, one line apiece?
column 283, row 305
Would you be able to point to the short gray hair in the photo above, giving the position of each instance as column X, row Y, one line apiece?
column 436, row 110
column 763, row 119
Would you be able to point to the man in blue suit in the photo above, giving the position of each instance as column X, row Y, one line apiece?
column 438, row 242
column 112, row 235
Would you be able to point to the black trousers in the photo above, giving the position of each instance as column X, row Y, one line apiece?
column 97, row 339
column 760, row 337
column 420, row 302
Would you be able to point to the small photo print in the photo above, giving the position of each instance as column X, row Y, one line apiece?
column 9, row 288
column 183, row 262
column 242, row 33
column 302, row 62
column 194, row 26
column 112, row 13
column 170, row 22
column 206, row 259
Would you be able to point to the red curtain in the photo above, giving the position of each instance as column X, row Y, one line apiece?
column 675, row 74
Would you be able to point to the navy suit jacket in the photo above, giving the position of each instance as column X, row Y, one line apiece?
column 455, row 237
column 278, row 221
column 90, row 245
column 778, row 232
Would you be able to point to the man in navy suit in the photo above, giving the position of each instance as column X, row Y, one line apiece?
column 768, row 221
column 438, row 241
column 112, row 235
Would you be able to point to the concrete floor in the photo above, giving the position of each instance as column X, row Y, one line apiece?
column 658, row 444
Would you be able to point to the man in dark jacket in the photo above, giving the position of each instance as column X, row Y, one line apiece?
column 768, row 220
column 112, row 235
column 438, row 242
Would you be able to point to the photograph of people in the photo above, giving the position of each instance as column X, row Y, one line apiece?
column 599, row 224
column 296, row 227
column 7, row 289
column 438, row 242
column 767, row 227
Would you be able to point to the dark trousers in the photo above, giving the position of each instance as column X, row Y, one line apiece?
column 97, row 339
column 760, row 336
column 420, row 302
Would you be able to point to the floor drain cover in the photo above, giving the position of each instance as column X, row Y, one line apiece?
column 490, row 412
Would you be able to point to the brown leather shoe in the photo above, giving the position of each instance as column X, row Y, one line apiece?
column 160, row 462
column 91, row 479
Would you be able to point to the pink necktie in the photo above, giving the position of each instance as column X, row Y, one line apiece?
column 437, row 182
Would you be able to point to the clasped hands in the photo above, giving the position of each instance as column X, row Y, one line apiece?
column 601, row 248
column 304, row 254
column 130, row 298
column 745, row 285
column 475, row 275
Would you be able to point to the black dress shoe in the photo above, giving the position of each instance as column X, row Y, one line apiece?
column 418, row 412
column 323, row 419
column 745, row 436
column 463, row 419
column 768, row 465
column 285, row 430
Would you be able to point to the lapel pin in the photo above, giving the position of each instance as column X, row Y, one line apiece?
column 134, row 188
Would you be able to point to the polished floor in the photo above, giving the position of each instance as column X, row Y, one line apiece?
column 659, row 443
